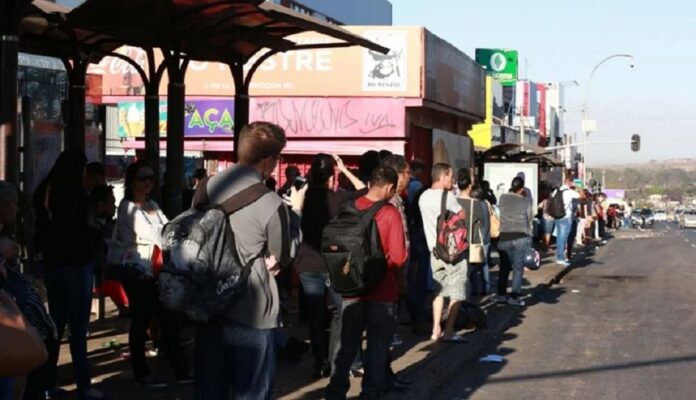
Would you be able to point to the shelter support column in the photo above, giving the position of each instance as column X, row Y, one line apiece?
column 241, row 104
column 9, row 162
column 176, row 98
column 75, row 131
column 152, row 118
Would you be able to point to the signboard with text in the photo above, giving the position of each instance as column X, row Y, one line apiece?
column 201, row 118
column 501, row 64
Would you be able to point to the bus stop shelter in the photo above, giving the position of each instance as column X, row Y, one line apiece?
column 239, row 33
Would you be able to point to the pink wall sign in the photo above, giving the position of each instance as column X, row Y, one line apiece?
column 317, row 117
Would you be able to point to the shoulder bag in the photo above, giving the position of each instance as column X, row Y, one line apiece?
column 495, row 222
column 477, row 255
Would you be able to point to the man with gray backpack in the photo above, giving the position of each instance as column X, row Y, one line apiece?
column 220, row 258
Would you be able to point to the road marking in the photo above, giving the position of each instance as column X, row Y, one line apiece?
column 693, row 245
column 686, row 240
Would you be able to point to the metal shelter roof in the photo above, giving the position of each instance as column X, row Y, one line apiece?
column 205, row 30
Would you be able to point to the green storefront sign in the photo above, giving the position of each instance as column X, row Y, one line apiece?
column 500, row 64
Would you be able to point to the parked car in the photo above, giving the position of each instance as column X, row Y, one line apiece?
column 643, row 218
column 688, row 219
column 660, row 216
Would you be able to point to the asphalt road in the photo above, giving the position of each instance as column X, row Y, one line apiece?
column 620, row 327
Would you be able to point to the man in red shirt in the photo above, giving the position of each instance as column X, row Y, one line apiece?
column 374, row 312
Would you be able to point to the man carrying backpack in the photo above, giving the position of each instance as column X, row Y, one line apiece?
column 372, row 310
column 560, row 207
column 450, row 275
column 238, row 348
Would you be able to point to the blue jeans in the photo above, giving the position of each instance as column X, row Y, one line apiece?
column 379, row 320
column 69, row 290
column 512, row 253
column 7, row 385
column 487, row 268
column 417, row 279
column 324, row 347
column 563, row 227
column 229, row 353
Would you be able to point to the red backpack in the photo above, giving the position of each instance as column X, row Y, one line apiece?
column 451, row 244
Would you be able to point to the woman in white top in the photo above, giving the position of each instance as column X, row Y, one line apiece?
column 139, row 230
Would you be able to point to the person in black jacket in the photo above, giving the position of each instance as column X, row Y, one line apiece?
column 67, row 246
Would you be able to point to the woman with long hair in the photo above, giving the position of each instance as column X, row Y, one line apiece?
column 515, row 240
column 321, row 204
column 67, row 246
column 139, row 230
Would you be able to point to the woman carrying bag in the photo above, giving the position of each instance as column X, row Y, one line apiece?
column 135, row 258
column 474, row 217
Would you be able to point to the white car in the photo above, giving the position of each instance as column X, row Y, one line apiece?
column 660, row 216
column 688, row 219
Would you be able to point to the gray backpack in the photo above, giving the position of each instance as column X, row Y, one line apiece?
column 202, row 273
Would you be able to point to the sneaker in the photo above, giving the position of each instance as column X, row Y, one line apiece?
column 56, row 392
column 516, row 302
column 563, row 263
column 93, row 394
column 396, row 340
column 152, row 353
column 150, row 382
column 500, row 299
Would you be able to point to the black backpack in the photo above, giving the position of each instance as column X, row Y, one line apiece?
column 555, row 206
column 353, row 252
column 202, row 273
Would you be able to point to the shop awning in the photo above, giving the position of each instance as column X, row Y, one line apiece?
column 342, row 147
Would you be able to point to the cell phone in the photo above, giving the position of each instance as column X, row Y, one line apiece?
column 299, row 182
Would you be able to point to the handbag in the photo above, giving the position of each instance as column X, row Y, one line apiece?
column 119, row 264
column 495, row 222
column 477, row 252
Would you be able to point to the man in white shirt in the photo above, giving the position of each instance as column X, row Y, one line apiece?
column 628, row 211
column 564, row 225
column 450, row 280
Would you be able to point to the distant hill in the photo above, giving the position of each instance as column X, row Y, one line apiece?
column 674, row 178
column 687, row 164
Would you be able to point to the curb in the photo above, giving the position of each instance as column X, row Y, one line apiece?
column 445, row 361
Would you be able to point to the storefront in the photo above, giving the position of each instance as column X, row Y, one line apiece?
column 344, row 101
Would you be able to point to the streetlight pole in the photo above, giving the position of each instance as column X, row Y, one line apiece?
column 586, row 129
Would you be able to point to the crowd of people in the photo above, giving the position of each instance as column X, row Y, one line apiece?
column 81, row 238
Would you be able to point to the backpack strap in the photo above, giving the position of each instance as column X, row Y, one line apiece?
column 443, row 203
column 244, row 198
column 372, row 211
column 235, row 202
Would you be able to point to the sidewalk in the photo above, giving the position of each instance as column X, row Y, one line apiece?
column 429, row 364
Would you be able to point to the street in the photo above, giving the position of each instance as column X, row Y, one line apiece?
column 621, row 327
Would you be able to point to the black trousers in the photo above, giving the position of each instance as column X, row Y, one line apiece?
column 144, row 305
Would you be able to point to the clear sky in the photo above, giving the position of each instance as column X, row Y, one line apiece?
column 563, row 40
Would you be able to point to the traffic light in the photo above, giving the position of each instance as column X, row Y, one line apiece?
column 635, row 143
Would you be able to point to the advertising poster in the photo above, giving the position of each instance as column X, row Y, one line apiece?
column 455, row 150
column 209, row 118
column 500, row 176
column 131, row 119
column 201, row 118
column 382, row 72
